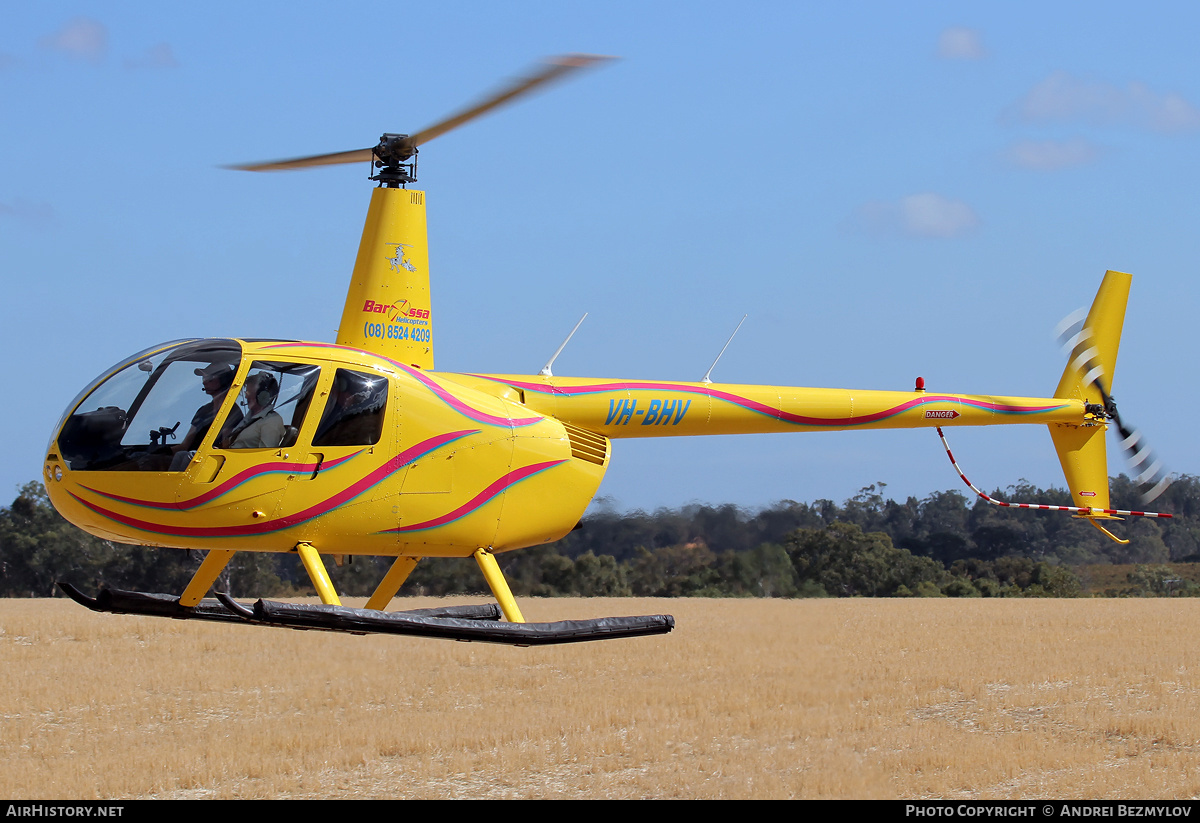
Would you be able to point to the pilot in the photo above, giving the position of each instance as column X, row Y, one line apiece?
column 216, row 379
column 264, row 427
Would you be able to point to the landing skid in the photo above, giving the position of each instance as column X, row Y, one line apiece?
column 463, row 623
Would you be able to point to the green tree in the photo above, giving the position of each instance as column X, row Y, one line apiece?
column 1152, row 580
column 847, row 562
column 38, row 548
column 764, row 571
column 676, row 571
column 600, row 576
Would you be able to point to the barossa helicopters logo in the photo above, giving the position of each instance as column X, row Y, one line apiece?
column 400, row 262
column 399, row 311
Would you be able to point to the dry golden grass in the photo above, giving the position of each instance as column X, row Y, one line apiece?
column 746, row 699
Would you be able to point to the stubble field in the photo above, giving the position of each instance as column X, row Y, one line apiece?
column 745, row 699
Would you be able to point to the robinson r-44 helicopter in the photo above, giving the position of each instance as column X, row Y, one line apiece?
column 359, row 447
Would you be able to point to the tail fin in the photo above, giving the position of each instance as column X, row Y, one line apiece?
column 387, row 305
column 1088, row 377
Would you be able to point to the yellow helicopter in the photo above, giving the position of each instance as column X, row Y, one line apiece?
column 360, row 447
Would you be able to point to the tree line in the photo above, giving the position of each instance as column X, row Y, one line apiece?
column 870, row 545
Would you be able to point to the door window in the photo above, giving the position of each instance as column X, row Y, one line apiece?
column 355, row 410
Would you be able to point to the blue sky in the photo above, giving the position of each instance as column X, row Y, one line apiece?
column 887, row 190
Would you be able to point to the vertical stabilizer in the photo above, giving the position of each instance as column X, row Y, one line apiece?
column 387, row 307
column 1088, row 377
column 1097, row 343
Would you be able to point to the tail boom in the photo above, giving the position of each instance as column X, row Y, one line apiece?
column 627, row 409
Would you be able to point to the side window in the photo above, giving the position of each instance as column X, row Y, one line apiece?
column 354, row 413
column 272, row 406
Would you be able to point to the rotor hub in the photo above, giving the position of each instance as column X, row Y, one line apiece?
column 392, row 156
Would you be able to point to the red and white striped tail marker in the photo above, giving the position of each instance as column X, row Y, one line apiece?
column 1076, row 509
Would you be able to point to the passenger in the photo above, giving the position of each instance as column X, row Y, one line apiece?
column 354, row 414
column 264, row 427
column 216, row 378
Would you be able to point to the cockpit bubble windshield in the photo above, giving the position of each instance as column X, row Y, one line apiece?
column 138, row 418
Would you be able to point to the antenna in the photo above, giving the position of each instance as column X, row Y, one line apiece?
column 707, row 378
column 545, row 372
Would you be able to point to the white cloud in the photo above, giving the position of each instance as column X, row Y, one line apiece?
column 1064, row 97
column 160, row 56
column 932, row 215
column 81, row 37
column 919, row 215
column 1051, row 155
column 958, row 43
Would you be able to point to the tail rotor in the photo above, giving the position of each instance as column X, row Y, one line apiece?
column 1077, row 339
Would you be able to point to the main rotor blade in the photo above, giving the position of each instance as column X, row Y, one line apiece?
column 356, row 156
column 554, row 68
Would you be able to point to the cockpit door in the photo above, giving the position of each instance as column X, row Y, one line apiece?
column 238, row 482
column 250, row 459
column 346, row 454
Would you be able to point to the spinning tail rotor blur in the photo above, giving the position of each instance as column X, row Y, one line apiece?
column 1077, row 339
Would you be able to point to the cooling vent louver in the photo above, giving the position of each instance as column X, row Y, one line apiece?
column 587, row 445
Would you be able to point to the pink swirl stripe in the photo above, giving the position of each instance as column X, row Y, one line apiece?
column 262, row 469
column 324, row 507
column 762, row 408
column 495, row 488
column 422, row 378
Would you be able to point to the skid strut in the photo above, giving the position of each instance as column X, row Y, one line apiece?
column 495, row 579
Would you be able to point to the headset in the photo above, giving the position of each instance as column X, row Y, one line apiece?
column 266, row 388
